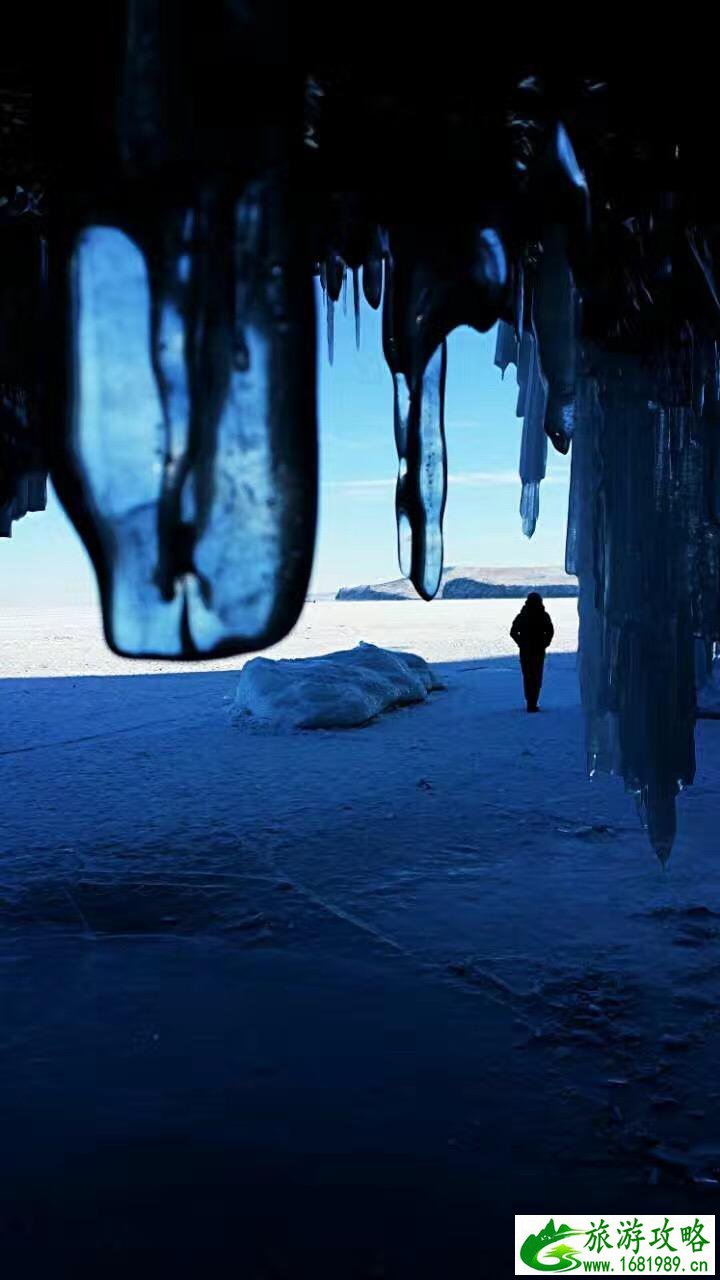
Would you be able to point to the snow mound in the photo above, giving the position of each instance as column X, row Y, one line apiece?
column 333, row 691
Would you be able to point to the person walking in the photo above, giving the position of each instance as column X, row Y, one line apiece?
column 532, row 632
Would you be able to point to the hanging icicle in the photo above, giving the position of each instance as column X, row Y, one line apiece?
column 356, row 305
column 183, row 331
column 531, row 406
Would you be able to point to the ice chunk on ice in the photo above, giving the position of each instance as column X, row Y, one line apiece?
column 333, row 691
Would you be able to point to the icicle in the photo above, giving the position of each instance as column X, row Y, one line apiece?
column 519, row 302
column 330, row 321
column 531, row 406
column 373, row 272
column 531, row 403
column 554, row 323
column 585, row 478
column 658, row 806
column 401, row 414
column 182, row 331
column 529, row 506
column 431, row 466
column 634, row 539
column 334, row 275
column 356, row 305
column 177, row 434
column 344, row 291
column 506, row 347
column 562, row 189
column 422, row 474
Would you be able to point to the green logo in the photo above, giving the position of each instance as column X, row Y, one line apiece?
column 561, row 1257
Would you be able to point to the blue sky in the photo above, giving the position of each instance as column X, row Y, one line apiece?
column 45, row 562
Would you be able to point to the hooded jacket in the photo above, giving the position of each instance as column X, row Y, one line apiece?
column 532, row 629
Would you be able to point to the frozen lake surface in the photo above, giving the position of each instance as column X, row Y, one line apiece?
column 57, row 642
column 371, row 977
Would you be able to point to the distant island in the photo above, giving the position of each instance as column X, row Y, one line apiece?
column 470, row 583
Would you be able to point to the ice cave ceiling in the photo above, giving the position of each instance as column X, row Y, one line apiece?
column 173, row 176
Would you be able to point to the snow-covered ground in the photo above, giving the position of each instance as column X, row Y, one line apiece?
column 429, row 947
column 54, row 642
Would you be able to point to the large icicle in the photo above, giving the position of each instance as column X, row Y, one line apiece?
column 431, row 286
column 531, row 406
column 554, row 321
column 422, row 474
column 201, row 476
column 183, row 335
column 633, row 530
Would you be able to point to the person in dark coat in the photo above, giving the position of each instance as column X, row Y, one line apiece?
column 532, row 632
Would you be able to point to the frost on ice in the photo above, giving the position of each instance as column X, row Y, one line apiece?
column 334, row 691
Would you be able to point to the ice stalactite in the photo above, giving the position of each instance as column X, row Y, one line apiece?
column 554, row 322
column 197, row 470
column 554, row 301
column 183, row 337
column 632, row 386
column 373, row 269
column 356, row 305
column 531, row 407
column 23, row 467
column 506, row 347
column 639, row 407
column 430, row 289
column 640, row 542
column 335, row 276
column 330, row 327
column 422, row 473
column 419, row 424
column 30, row 494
